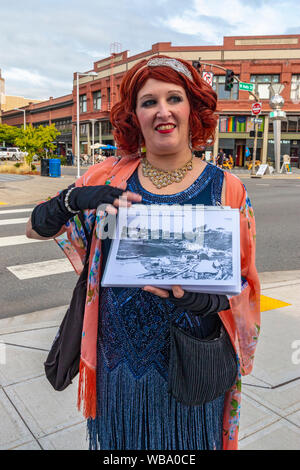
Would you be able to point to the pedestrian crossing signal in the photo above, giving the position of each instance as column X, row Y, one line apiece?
column 229, row 78
column 252, row 133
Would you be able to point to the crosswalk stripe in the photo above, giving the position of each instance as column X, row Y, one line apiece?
column 16, row 211
column 42, row 268
column 17, row 240
column 13, row 221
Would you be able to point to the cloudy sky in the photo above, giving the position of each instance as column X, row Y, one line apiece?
column 42, row 42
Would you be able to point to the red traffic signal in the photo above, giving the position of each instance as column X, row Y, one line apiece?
column 229, row 78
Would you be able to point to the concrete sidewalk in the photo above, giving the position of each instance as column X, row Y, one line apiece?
column 34, row 416
column 35, row 189
column 32, row 190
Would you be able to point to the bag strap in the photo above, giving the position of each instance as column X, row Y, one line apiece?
column 89, row 236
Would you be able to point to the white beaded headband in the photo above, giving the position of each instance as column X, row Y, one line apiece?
column 174, row 64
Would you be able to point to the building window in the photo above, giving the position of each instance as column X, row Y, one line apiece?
column 97, row 99
column 83, row 129
column 262, row 84
column 295, row 88
column 292, row 124
column 219, row 87
column 82, row 103
column 106, row 127
column 64, row 126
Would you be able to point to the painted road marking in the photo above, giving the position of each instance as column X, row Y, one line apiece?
column 43, row 268
column 17, row 240
column 16, row 211
column 13, row 221
column 268, row 303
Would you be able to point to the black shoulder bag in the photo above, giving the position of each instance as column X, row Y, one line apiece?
column 200, row 370
column 62, row 363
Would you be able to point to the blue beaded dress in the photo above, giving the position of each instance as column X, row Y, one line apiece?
column 134, row 409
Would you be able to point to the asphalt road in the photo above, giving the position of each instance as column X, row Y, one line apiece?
column 276, row 206
column 277, row 212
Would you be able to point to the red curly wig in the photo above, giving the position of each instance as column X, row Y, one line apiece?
column 201, row 96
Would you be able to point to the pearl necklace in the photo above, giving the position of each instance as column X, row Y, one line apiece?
column 161, row 178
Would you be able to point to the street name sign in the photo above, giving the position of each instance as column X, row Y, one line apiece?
column 256, row 108
column 246, row 86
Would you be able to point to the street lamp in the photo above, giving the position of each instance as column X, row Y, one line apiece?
column 78, row 74
column 93, row 138
column 276, row 116
column 24, row 111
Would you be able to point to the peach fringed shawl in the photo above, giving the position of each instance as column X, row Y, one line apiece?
column 242, row 321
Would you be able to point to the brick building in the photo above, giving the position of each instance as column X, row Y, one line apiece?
column 56, row 111
column 261, row 60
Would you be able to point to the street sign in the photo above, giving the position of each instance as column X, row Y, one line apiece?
column 256, row 108
column 255, row 119
column 246, row 86
column 208, row 77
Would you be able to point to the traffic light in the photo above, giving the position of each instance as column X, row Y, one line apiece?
column 229, row 78
column 197, row 65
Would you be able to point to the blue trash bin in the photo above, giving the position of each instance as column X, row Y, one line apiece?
column 54, row 167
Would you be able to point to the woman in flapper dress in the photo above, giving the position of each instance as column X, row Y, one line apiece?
column 165, row 112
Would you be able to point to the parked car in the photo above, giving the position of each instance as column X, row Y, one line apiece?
column 3, row 153
column 15, row 154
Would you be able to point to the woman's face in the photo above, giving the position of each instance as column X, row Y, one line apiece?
column 163, row 113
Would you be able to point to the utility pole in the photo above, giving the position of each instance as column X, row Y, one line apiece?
column 254, row 146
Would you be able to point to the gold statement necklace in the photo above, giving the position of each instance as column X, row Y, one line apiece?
column 162, row 178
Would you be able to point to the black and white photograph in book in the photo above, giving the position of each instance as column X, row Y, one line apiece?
column 194, row 246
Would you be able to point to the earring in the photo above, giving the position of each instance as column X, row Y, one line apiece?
column 190, row 141
column 142, row 148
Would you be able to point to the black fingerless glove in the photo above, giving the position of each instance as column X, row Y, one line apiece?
column 200, row 303
column 90, row 197
column 48, row 218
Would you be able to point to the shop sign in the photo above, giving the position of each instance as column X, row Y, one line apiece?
column 282, row 141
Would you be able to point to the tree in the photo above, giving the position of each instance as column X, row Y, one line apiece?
column 8, row 134
column 35, row 139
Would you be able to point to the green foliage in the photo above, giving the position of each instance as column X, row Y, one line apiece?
column 18, row 164
column 35, row 139
column 63, row 160
column 9, row 134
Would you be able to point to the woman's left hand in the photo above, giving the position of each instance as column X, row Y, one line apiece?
column 178, row 292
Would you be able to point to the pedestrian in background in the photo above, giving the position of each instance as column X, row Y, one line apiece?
column 166, row 107
column 220, row 158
